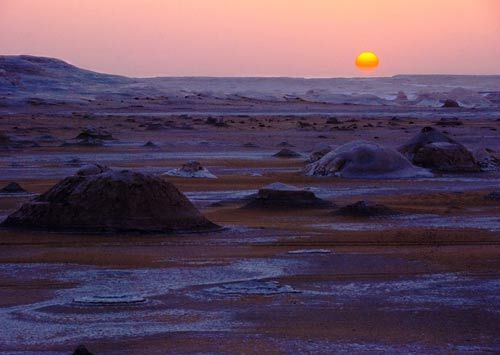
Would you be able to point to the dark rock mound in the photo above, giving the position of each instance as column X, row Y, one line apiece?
column 425, row 136
column 284, row 196
column 285, row 144
column 364, row 209
column 81, row 350
column 84, row 142
column 447, row 157
column 287, row 153
column 13, row 188
column 449, row 103
column 333, row 120
column 150, row 144
column 95, row 134
column 112, row 201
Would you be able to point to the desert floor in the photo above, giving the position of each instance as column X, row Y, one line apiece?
column 294, row 281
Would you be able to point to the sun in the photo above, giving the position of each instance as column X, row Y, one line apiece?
column 367, row 61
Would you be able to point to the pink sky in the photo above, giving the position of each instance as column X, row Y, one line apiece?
column 312, row 38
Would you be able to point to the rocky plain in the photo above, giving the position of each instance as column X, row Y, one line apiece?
column 247, row 215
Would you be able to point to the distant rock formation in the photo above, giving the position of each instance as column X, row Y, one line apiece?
column 449, row 103
column 361, row 159
column 13, row 188
column 191, row 169
column 364, row 209
column 287, row 153
column 111, row 201
column 435, row 150
column 282, row 196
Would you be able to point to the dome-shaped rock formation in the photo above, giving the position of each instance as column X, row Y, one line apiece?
column 111, row 201
column 278, row 195
column 13, row 188
column 360, row 159
column 435, row 150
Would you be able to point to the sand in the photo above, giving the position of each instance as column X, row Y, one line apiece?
column 426, row 280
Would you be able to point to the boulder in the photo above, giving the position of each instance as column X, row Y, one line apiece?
column 150, row 144
column 449, row 103
column 191, row 169
column 361, row 159
column 287, row 153
column 13, row 188
column 488, row 159
column 282, row 196
column 446, row 157
column 112, row 201
column 425, row 136
column 365, row 209
column 94, row 133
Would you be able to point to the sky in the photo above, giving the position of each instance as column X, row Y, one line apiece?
column 299, row 38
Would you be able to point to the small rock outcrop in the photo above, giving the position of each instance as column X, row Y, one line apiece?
column 13, row 188
column 449, row 103
column 364, row 209
column 361, row 159
column 435, row 150
column 111, row 201
column 287, row 153
column 191, row 169
column 282, row 196
column 150, row 144
column 82, row 350
column 94, row 133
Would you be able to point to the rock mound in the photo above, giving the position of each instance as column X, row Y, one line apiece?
column 112, row 201
column 278, row 195
column 13, row 188
column 360, row 159
column 191, row 169
column 82, row 350
column 449, row 103
column 319, row 153
column 92, row 169
column 425, row 136
column 365, row 209
column 448, row 157
column 94, row 133
column 435, row 150
column 287, row 153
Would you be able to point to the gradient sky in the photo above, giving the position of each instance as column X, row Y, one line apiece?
column 312, row 38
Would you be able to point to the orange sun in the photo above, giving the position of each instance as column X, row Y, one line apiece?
column 367, row 61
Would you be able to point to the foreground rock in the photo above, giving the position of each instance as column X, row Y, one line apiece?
column 365, row 209
column 360, row 159
column 435, row 150
column 191, row 169
column 111, row 201
column 282, row 196
column 13, row 188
